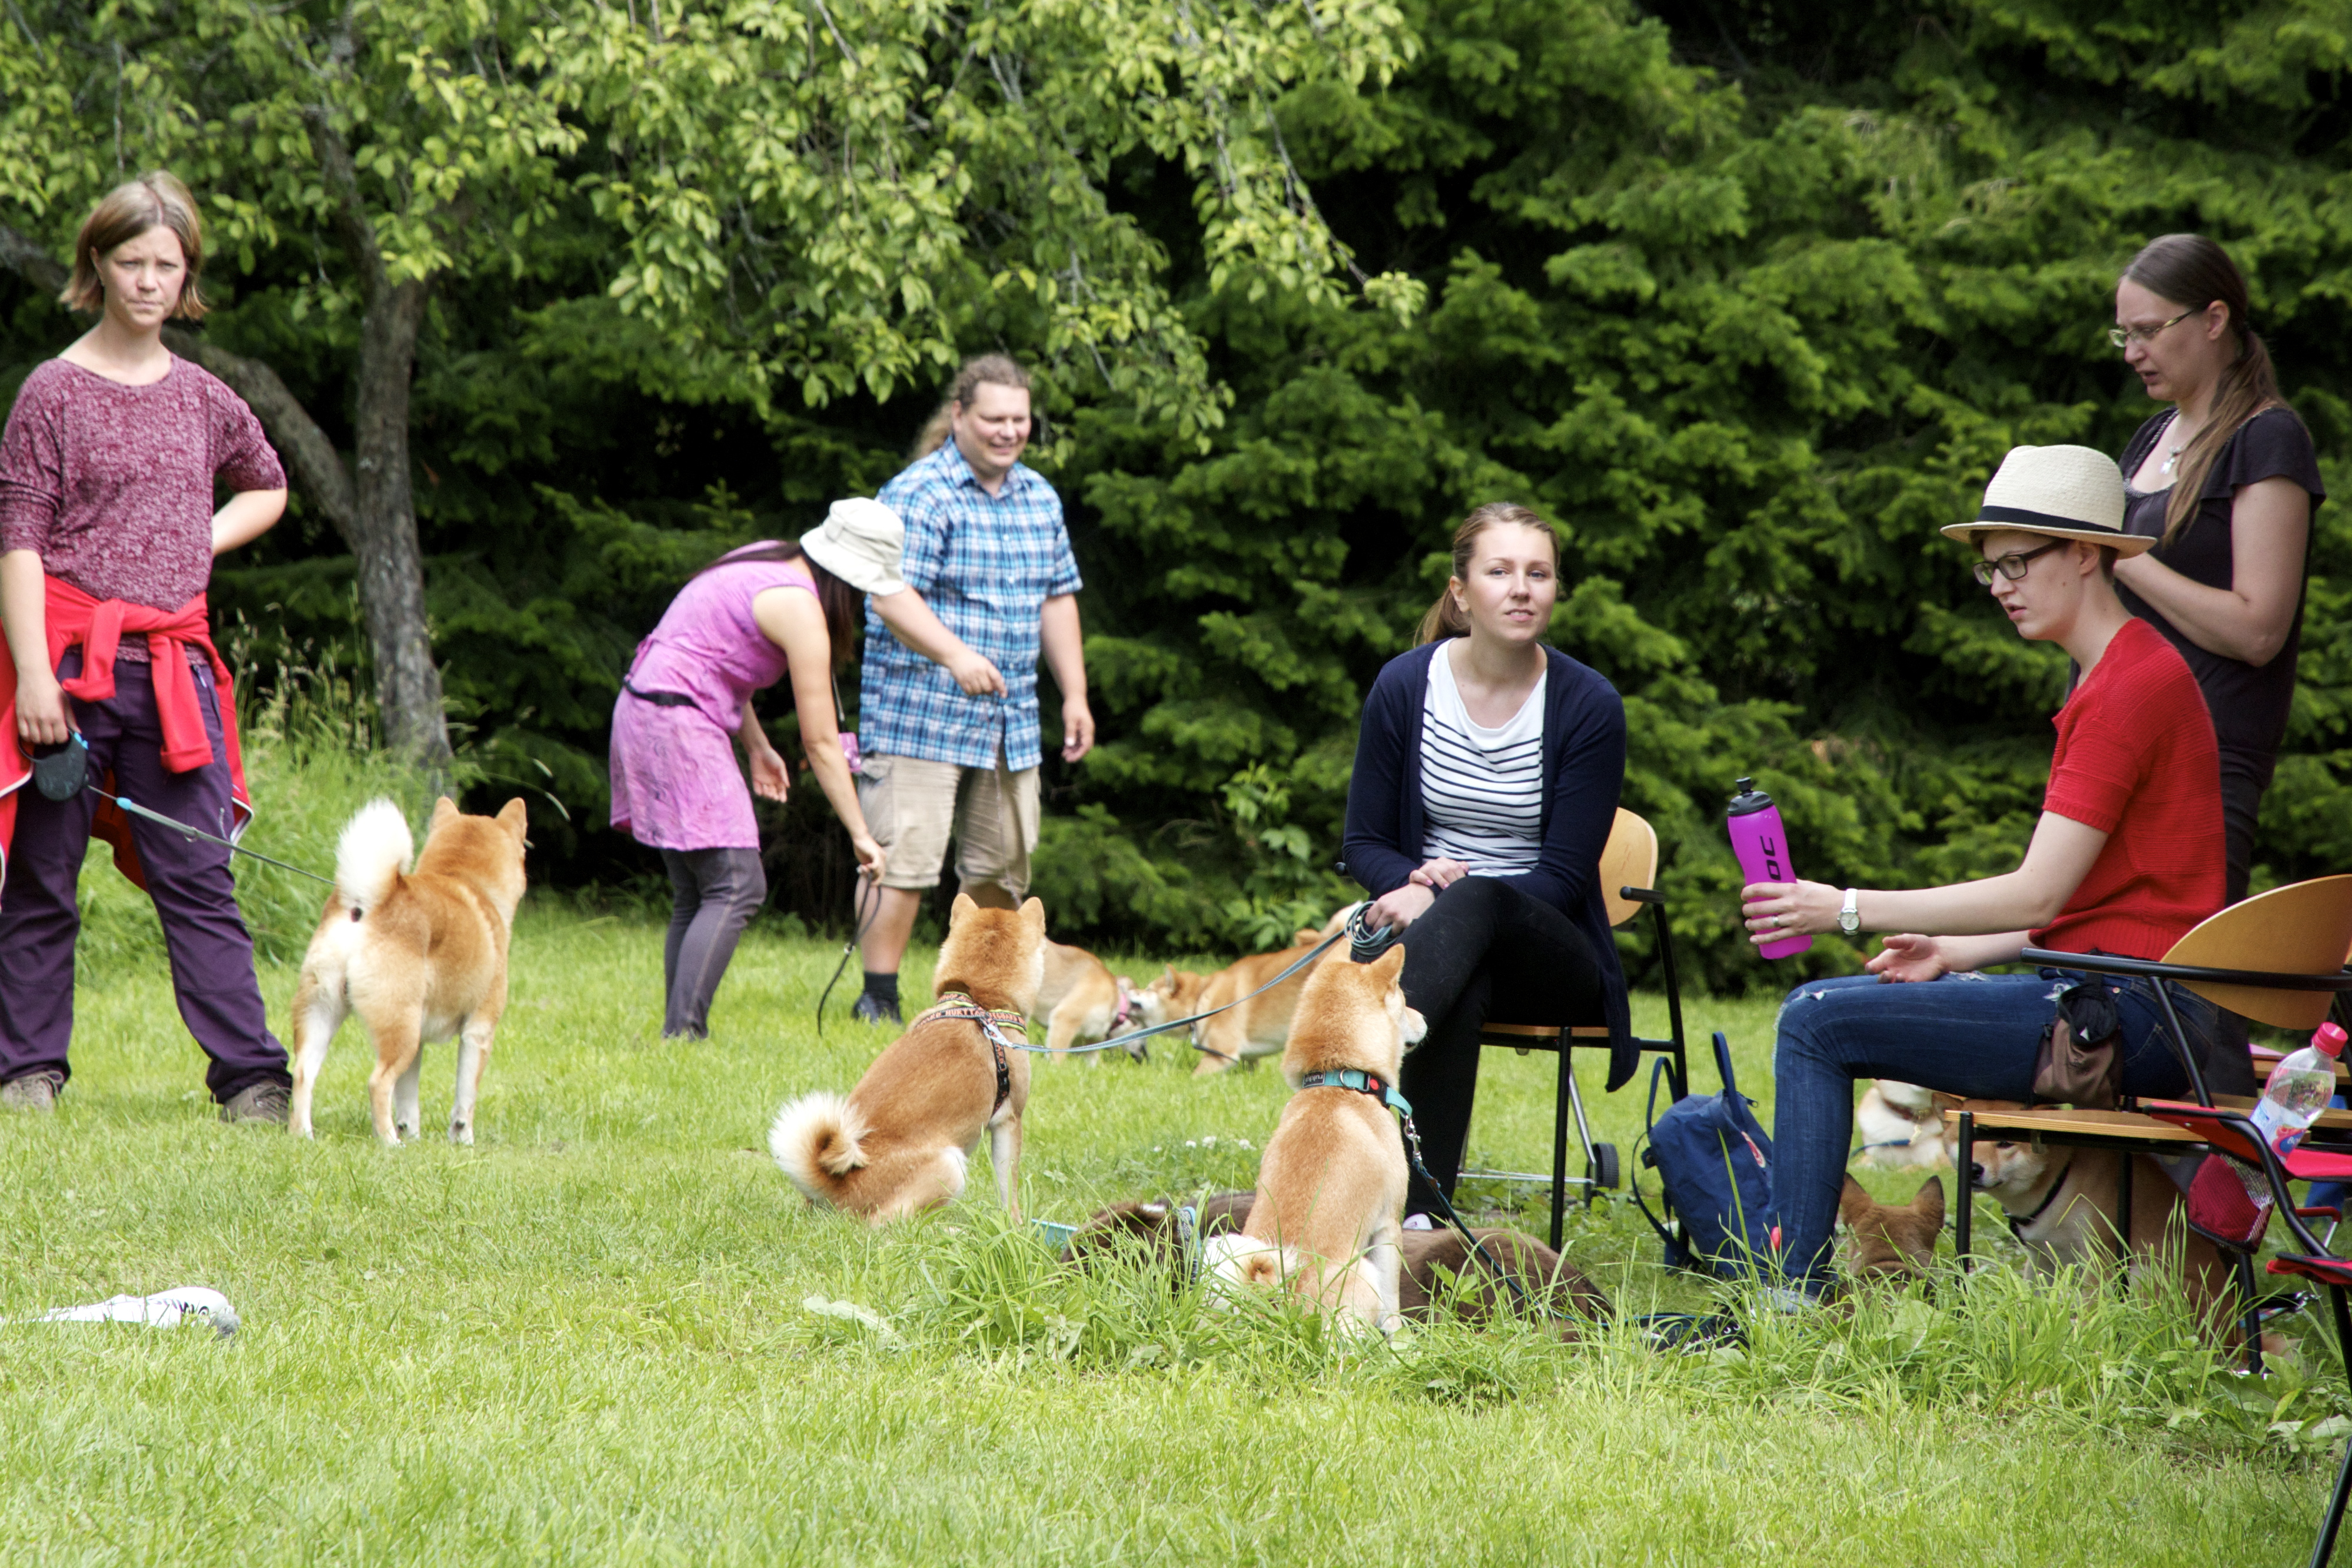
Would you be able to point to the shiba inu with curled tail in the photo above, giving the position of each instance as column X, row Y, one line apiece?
column 419, row 954
column 1330, row 1212
column 902, row 1140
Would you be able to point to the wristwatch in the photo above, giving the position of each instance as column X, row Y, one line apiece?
column 1849, row 915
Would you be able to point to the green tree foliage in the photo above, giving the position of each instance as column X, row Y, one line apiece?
column 1747, row 297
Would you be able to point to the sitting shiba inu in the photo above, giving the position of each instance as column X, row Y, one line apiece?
column 419, row 955
column 902, row 1140
column 1329, row 1211
column 1081, row 1001
column 1899, row 1125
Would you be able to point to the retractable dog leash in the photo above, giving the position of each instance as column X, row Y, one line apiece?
column 65, row 773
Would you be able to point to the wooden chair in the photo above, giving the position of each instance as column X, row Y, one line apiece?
column 2278, row 958
column 1628, row 873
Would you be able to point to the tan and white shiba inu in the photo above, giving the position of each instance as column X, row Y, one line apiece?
column 1330, row 1212
column 1900, row 1126
column 902, row 1140
column 419, row 955
column 1080, row 1002
column 1259, row 1027
column 2062, row 1201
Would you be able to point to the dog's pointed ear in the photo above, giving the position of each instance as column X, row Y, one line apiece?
column 1854, row 1202
column 1303, row 937
column 962, row 906
column 1033, row 915
column 443, row 810
column 1928, row 1203
column 1946, row 1101
column 514, row 819
column 1384, row 968
column 1171, row 977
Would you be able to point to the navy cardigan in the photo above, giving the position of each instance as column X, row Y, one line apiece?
column 1583, row 767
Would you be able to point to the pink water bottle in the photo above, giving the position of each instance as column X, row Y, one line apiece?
column 1754, row 823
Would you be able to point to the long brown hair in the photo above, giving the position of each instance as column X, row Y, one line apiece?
column 844, row 607
column 2193, row 272
column 993, row 370
column 1447, row 619
column 156, row 199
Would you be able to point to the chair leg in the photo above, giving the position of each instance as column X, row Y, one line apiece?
column 2124, row 1212
column 2324, row 1548
column 1559, row 1146
column 1963, row 1221
column 1583, row 1136
column 2252, row 1322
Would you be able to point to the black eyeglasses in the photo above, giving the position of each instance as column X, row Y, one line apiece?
column 2012, row 567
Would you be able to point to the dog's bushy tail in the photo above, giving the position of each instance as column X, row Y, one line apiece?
column 816, row 1140
column 374, row 851
column 1240, row 1260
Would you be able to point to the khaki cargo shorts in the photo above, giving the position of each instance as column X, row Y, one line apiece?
column 913, row 806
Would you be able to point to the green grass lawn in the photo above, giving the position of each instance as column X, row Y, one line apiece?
column 587, row 1339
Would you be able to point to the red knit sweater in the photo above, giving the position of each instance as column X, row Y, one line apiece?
column 2136, row 759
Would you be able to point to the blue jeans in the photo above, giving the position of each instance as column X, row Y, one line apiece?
column 1972, row 1035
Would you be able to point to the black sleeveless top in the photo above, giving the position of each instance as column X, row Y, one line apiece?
column 2248, row 702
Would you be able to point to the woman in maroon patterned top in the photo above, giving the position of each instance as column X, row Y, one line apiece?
column 108, row 474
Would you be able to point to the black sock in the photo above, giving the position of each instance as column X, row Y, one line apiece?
column 883, row 987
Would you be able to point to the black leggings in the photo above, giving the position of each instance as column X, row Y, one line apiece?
column 1484, row 949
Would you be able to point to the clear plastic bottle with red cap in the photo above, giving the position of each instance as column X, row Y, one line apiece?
column 2299, row 1089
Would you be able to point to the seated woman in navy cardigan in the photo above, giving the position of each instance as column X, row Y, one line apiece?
column 1485, row 783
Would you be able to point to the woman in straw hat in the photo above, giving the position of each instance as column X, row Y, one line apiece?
column 738, row 627
column 2126, row 857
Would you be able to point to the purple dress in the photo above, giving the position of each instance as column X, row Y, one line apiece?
column 675, row 782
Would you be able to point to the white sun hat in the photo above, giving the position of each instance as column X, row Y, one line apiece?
column 2066, row 492
column 860, row 543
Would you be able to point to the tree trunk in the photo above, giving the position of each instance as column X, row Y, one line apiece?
column 384, row 532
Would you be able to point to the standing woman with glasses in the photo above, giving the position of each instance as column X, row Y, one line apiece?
column 2225, row 480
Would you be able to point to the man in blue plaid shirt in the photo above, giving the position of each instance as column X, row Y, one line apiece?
column 951, row 746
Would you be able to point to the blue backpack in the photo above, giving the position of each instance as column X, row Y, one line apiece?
column 1714, row 1161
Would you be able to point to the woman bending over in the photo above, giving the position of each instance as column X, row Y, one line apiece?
column 736, row 627
column 1486, row 784
column 2126, row 857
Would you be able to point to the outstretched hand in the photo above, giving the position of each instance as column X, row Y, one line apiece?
column 1909, row 959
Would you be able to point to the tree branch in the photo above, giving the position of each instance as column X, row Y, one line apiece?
column 318, row 468
column 351, row 209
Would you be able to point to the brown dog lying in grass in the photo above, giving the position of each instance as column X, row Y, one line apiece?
column 1894, row 1242
column 1150, row 1228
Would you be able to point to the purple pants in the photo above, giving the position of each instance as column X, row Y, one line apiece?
column 195, row 897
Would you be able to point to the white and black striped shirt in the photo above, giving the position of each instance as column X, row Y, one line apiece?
column 1481, row 788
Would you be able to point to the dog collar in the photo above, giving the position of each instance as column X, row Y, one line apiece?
column 2017, row 1227
column 993, row 1021
column 1126, row 1006
column 1363, row 1083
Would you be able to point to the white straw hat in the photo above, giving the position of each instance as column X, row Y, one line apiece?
column 860, row 543
column 2066, row 492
